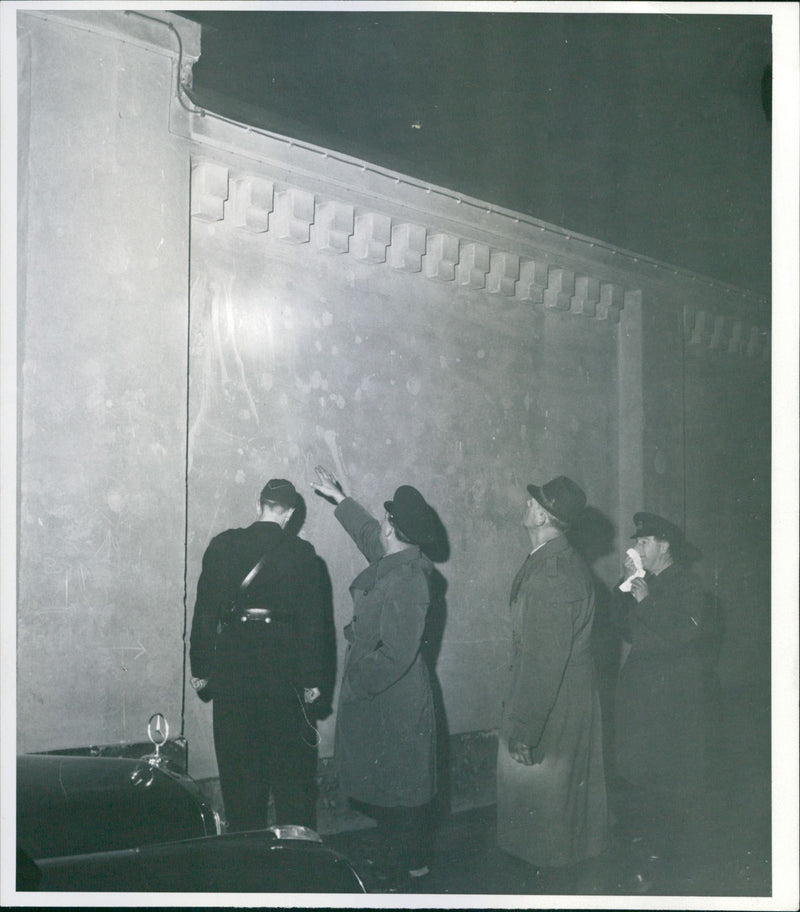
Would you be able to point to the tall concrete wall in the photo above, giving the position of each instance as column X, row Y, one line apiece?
column 706, row 464
column 205, row 306
column 728, row 432
column 102, row 384
column 301, row 358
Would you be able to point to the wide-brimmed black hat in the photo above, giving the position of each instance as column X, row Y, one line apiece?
column 561, row 497
column 279, row 491
column 411, row 514
column 655, row 526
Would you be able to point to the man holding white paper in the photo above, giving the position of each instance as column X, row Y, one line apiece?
column 634, row 569
column 659, row 713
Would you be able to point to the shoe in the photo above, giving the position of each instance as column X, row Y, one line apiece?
column 418, row 879
column 405, row 881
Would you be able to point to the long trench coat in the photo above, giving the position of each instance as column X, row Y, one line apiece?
column 659, row 712
column 385, row 741
column 553, row 813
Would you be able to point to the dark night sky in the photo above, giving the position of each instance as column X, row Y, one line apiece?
column 650, row 132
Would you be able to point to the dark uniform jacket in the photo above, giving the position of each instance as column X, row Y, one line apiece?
column 254, row 657
column 659, row 707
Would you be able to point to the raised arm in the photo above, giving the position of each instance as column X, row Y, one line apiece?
column 360, row 525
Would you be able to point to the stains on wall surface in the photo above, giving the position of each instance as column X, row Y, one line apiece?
column 706, row 458
column 299, row 359
column 728, row 515
column 102, row 395
column 414, row 357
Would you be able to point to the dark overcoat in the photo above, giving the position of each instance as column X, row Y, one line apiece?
column 385, row 742
column 553, row 813
column 253, row 658
column 659, row 712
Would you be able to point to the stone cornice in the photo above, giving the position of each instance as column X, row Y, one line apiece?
column 726, row 334
column 296, row 215
column 329, row 173
column 302, row 194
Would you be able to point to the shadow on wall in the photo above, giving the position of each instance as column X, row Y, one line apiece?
column 593, row 536
column 324, row 705
column 712, row 685
column 439, row 552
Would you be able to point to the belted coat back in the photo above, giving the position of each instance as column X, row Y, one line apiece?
column 249, row 660
column 385, row 742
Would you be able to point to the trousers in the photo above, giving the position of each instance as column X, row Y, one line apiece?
column 263, row 745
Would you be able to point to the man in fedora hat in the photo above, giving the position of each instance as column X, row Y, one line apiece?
column 659, row 712
column 551, row 801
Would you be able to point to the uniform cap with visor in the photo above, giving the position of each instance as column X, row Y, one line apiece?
column 279, row 491
column 412, row 515
column 651, row 525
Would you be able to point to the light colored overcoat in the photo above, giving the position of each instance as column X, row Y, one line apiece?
column 553, row 813
column 385, row 741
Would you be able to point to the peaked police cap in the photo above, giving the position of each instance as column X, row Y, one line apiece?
column 412, row 515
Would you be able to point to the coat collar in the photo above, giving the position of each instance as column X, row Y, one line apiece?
column 389, row 561
column 550, row 548
column 533, row 562
column 666, row 574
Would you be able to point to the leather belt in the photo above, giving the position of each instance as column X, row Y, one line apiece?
column 256, row 614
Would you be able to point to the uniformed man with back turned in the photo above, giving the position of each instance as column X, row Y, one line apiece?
column 257, row 647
